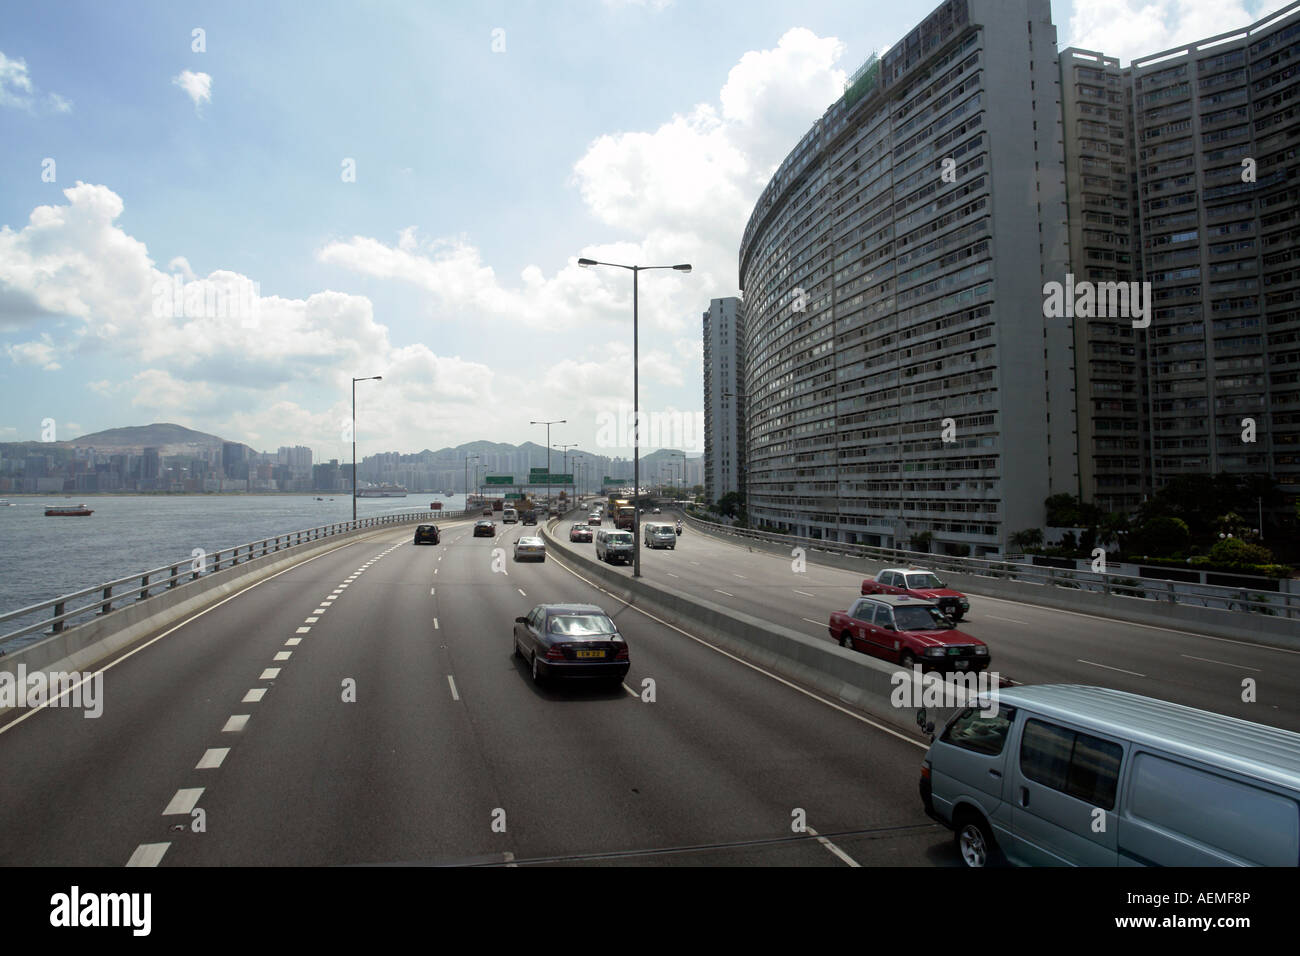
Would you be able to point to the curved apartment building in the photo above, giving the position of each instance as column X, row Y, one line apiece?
column 902, row 380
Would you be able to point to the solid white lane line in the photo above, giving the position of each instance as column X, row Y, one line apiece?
column 235, row 724
column 994, row 617
column 727, row 593
column 282, row 656
column 834, row 849
column 293, row 642
column 271, row 673
column 805, row 593
column 212, row 758
column 1109, row 668
column 1210, row 660
column 183, row 802
column 148, row 854
column 631, row 692
column 452, row 683
column 818, row 623
column 302, row 630
column 254, row 695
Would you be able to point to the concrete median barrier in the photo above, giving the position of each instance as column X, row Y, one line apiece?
column 864, row 683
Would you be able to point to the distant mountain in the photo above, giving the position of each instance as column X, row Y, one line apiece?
column 168, row 438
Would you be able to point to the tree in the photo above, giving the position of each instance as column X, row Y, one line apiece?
column 731, row 505
column 1161, row 537
column 1027, row 539
column 1236, row 551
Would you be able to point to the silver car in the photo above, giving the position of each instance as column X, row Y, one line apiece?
column 530, row 547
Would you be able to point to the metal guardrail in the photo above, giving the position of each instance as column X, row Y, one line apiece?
column 1271, row 603
column 138, row 587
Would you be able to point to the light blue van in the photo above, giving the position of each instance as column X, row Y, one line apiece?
column 1071, row 775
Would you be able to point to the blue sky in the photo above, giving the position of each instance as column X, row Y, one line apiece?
column 493, row 144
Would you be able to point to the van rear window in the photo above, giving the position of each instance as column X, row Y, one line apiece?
column 1081, row 765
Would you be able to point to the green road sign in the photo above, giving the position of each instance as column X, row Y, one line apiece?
column 514, row 496
column 537, row 471
column 551, row 480
column 499, row 479
column 611, row 481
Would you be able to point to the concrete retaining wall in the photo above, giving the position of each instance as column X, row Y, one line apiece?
column 1213, row 622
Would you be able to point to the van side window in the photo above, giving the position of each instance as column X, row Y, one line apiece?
column 1081, row 765
column 984, row 735
column 1248, row 822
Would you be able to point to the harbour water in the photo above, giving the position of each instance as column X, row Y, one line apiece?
column 42, row 558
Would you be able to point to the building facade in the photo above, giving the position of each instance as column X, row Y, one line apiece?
column 902, row 380
column 724, row 397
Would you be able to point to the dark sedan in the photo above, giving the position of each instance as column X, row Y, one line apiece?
column 426, row 534
column 571, row 640
column 484, row 529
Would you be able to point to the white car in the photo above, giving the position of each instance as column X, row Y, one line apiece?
column 657, row 511
column 530, row 546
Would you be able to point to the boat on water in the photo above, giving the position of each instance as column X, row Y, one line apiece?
column 383, row 491
column 80, row 511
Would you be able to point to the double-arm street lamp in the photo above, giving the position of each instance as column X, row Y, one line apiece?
column 564, row 469
column 558, row 421
column 476, row 460
column 368, row 378
column 636, row 403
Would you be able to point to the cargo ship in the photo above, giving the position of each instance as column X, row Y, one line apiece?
column 81, row 511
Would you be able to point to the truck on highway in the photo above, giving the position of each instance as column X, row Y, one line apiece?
column 625, row 517
column 921, row 584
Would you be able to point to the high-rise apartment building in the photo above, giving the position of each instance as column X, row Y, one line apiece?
column 901, row 378
column 724, row 396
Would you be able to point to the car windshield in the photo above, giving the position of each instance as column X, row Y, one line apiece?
column 924, row 617
column 578, row 625
column 926, row 580
column 624, row 537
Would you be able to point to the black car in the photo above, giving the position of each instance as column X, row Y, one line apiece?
column 484, row 529
column 571, row 640
column 530, row 517
column 426, row 534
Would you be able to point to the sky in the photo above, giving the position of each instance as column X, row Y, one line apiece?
column 218, row 214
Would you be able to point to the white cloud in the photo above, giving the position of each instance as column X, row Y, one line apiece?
column 18, row 91
column 40, row 354
column 198, row 86
column 1133, row 28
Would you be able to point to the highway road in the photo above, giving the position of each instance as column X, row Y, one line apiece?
column 449, row 754
column 1027, row 644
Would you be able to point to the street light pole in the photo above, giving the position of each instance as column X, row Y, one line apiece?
column 564, row 469
column 467, row 458
column 558, row 421
column 368, row 378
column 636, row 403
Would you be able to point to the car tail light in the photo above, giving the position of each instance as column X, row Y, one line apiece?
column 622, row 653
column 925, row 771
column 556, row 653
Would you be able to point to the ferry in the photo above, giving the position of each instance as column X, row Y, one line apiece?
column 383, row 491
column 80, row 511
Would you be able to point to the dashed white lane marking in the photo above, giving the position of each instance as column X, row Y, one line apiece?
column 521, row 591
column 1210, row 660
column 1109, row 668
column 310, row 620
column 804, row 593
column 302, row 630
column 735, row 575
column 327, row 603
column 670, row 574
column 148, row 854
column 254, row 695
column 271, row 673
column 834, row 849
column 452, row 682
column 341, row 587
column 183, row 802
column 319, row 610
column 293, row 642
column 507, row 856
column 432, row 590
column 235, row 724
column 727, row 593
column 282, row 656
column 696, row 563
column 435, row 570
column 212, row 758
column 994, row 617
column 631, row 691
column 435, row 624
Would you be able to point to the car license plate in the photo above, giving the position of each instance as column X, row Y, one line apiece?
column 961, row 665
column 591, row 653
